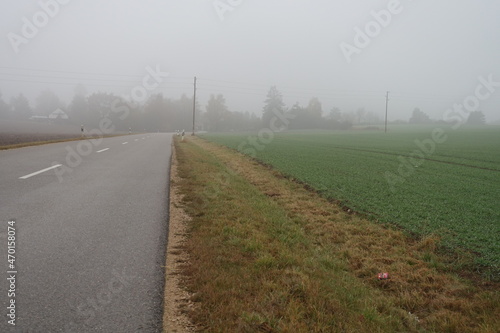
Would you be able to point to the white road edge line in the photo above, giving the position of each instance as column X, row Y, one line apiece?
column 100, row 151
column 41, row 171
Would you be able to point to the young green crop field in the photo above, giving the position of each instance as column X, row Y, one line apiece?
column 427, row 180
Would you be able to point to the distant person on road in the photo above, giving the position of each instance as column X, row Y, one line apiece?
column 183, row 132
column 83, row 129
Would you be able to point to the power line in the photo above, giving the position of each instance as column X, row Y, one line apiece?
column 72, row 78
column 245, row 86
column 93, row 79
column 267, row 86
column 316, row 93
column 131, row 83
column 80, row 73
column 241, row 88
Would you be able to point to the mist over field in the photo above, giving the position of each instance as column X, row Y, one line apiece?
column 340, row 60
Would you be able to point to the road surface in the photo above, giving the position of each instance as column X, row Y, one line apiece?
column 91, row 219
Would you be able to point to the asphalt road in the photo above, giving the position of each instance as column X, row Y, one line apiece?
column 90, row 234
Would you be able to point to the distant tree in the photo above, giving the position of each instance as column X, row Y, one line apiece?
column 476, row 118
column 306, row 117
column 154, row 112
column 335, row 114
column 332, row 120
column 130, row 117
column 372, row 118
column 122, row 114
column 254, row 122
column 273, row 103
column 21, row 108
column 164, row 114
column 78, row 110
column 314, row 112
column 338, row 120
column 238, row 121
column 4, row 109
column 80, row 90
column 314, row 108
column 47, row 102
column 419, row 117
column 360, row 113
column 217, row 113
column 199, row 124
column 300, row 117
column 100, row 105
column 349, row 117
column 183, row 110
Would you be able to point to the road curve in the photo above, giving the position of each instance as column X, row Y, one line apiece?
column 91, row 219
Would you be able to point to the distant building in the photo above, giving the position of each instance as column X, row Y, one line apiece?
column 58, row 115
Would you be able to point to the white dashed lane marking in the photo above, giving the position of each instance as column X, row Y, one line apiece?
column 41, row 171
column 59, row 165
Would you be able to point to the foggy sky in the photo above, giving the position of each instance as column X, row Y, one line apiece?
column 429, row 54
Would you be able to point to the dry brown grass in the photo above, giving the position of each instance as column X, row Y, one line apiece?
column 40, row 142
column 269, row 255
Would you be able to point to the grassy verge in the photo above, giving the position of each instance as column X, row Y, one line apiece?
column 269, row 255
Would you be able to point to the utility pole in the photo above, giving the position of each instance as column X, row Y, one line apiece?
column 386, row 107
column 194, row 103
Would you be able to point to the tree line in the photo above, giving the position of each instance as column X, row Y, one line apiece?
column 163, row 114
column 420, row 117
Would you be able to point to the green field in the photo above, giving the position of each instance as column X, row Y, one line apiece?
column 446, row 183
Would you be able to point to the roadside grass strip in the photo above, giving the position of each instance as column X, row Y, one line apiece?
column 41, row 142
column 270, row 255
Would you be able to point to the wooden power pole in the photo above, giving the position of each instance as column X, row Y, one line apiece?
column 386, row 107
column 194, row 104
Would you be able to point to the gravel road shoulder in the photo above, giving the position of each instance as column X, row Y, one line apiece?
column 177, row 303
